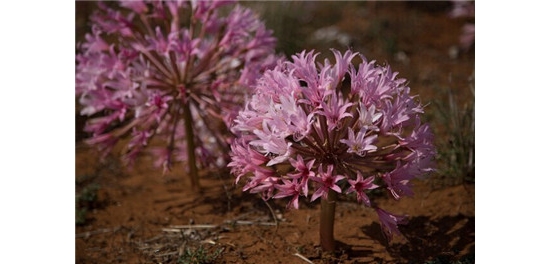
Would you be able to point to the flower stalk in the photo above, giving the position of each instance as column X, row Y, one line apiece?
column 326, row 227
column 190, row 140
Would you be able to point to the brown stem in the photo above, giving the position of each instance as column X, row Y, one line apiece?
column 190, row 138
column 326, row 230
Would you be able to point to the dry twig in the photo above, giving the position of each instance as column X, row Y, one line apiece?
column 303, row 258
column 97, row 232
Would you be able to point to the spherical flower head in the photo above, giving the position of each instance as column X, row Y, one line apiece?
column 145, row 61
column 331, row 127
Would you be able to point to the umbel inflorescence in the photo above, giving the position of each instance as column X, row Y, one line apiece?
column 312, row 129
column 175, row 71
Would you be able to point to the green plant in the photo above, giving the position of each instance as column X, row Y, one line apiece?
column 85, row 200
column 456, row 139
column 199, row 255
column 467, row 259
column 283, row 17
column 81, row 216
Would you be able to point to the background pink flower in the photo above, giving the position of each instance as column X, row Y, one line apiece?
column 169, row 73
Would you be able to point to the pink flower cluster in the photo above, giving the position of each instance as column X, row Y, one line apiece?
column 311, row 128
column 145, row 61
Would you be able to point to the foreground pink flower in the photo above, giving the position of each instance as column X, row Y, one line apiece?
column 169, row 74
column 389, row 223
column 360, row 185
column 331, row 128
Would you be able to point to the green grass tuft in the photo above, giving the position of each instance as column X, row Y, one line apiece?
column 199, row 255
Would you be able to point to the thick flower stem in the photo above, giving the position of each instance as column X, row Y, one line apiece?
column 326, row 230
column 190, row 137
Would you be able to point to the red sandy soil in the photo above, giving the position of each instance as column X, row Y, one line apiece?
column 136, row 213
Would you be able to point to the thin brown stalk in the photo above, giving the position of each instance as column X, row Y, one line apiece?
column 327, row 222
column 190, row 138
